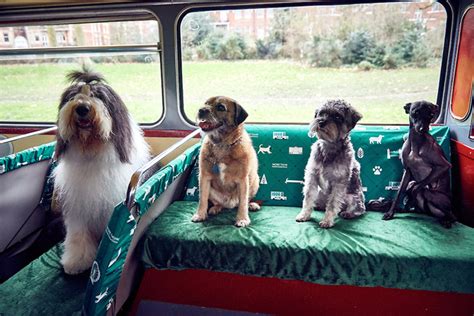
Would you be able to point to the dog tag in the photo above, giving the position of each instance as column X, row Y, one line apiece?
column 215, row 169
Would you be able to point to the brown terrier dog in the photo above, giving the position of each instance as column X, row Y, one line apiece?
column 227, row 163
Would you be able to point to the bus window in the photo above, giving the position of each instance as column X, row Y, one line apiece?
column 282, row 62
column 35, row 58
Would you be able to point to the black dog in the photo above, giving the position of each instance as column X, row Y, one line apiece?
column 426, row 175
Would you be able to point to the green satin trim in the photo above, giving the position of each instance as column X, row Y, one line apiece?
column 412, row 251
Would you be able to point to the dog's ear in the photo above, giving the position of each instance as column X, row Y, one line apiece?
column 355, row 117
column 240, row 114
column 61, row 146
column 434, row 111
column 407, row 108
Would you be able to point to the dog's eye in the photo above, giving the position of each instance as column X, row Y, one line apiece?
column 338, row 118
column 220, row 107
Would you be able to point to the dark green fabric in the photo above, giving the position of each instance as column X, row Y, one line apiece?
column 412, row 251
column 113, row 249
column 26, row 157
column 281, row 166
column 42, row 288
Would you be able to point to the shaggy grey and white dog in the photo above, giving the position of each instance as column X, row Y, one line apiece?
column 332, row 175
column 98, row 148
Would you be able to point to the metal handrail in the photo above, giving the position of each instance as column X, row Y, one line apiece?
column 139, row 177
column 40, row 132
column 150, row 48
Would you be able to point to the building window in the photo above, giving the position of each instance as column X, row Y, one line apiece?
column 44, row 40
column 223, row 16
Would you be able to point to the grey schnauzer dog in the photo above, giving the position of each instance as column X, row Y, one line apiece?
column 332, row 175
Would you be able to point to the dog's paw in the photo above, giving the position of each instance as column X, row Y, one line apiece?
column 242, row 222
column 326, row 223
column 198, row 218
column 73, row 267
column 303, row 216
column 387, row 216
column 214, row 210
column 446, row 222
column 351, row 215
column 254, row 207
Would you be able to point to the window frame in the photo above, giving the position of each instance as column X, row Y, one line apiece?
column 84, row 15
column 441, row 98
column 454, row 72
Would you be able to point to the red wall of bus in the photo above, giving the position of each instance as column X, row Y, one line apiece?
column 463, row 182
column 291, row 297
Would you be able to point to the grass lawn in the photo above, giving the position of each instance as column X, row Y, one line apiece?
column 271, row 91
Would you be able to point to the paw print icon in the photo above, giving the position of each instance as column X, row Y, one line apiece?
column 377, row 170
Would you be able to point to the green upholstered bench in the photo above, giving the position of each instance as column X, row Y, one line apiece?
column 42, row 288
column 410, row 252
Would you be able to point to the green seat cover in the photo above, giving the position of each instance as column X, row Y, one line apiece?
column 283, row 151
column 26, row 157
column 42, row 288
column 410, row 252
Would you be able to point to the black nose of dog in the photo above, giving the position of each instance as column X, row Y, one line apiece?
column 203, row 112
column 82, row 110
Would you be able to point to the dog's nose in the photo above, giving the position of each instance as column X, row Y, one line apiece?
column 203, row 111
column 82, row 110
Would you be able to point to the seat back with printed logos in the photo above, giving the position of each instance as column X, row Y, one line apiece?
column 283, row 152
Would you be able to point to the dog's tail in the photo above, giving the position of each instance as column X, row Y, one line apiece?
column 86, row 75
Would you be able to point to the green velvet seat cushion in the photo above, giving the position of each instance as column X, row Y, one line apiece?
column 410, row 252
column 42, row 288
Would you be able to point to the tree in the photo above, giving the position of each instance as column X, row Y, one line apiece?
column 195, row 28
column 358, row 47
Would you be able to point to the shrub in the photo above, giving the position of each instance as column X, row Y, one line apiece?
column 232, row 48
column 411, row 48
column 390, row 62
column 268, row 48
column 365, row 66
column 357, row 47
column 210, row 47
column 421, row 55
column 376, row 55
column 325, row 52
